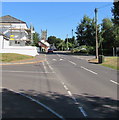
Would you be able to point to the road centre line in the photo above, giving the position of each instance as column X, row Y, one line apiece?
column 72, row 62
column 58, row 55
column 75, row 101
column 89, row 70
column 114, row 82
column 39, row 103
column 45, row 67
column 82, row 110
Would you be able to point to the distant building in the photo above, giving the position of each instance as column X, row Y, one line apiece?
column 43, row 44
column 15, row 36
column 15, row 31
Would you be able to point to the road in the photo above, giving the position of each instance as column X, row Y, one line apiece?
column 66, row 86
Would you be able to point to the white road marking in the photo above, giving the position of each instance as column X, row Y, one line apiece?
column 69, row 93
column 45, row 68
column 75, row 101
column 50, row 67
column 54, row 59
column 39, row 103
column 114, row 82
column 82, row 110
column 89, row 70
column 61, row 59
column 25, row 71
column 58, row 55
column 65, row 87
column 72, row 62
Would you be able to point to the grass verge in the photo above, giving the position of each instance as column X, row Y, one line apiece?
column 11, row 57
column 111, row 62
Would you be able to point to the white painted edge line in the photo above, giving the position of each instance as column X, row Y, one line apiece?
column 114, row 82
column 82, row 110
column 25, row 72
column 72, row 62
column 89, row 70
column 46, row 107
column 36, row 101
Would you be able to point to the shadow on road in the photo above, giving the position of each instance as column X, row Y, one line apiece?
column 15, row 106
column 95, row 106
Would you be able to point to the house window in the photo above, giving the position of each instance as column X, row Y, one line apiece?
column 17, row 42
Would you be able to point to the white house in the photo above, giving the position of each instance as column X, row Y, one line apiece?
column 15, row 36
column 43, row 44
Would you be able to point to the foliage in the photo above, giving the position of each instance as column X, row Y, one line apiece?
column 84, row 49
column 36, row 38
column 52, row 40
column 115, row 11
column 86, row 32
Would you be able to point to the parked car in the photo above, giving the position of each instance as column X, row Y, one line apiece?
column 50, row 50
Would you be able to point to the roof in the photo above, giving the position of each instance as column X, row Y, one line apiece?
column 10, row 19
column 46, row 44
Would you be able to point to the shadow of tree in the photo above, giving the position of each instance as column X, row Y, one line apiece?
column 15, row 106
column 95, row 106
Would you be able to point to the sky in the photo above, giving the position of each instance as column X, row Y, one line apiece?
column 59, row 18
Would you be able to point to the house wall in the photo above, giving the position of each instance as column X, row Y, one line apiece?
column 18, row 34
column 26, row 50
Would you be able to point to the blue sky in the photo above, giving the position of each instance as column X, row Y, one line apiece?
column 59, row 18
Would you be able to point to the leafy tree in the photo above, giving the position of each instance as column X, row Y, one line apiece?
column 115, row 11
column 109, row 35
column 86, row 32
column 54, row 41
column 36, row 38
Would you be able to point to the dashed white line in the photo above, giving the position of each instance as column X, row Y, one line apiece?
column 89, row 70
column 61, row 59
column 44, row 67
column 69, row 93
column 54, row 59
column 114, row 82
column 72, row 62
column 65, row 87
column 58, row 55
column 83, row 112
column 75, row 101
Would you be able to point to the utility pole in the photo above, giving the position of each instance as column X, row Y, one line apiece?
column 72, row 33
column 67, row 42
column 96, row 37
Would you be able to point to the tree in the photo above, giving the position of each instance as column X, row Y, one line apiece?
column 53, row 41
column 109, row 35
column 36, row 38
column 115, row 11
column 86, row 31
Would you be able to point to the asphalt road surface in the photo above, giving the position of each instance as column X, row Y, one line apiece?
column 64, row 86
